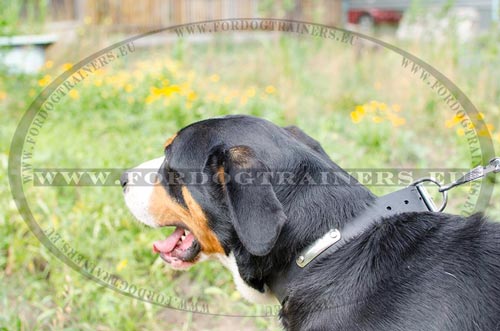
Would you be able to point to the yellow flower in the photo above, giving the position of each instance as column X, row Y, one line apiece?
column 396, row 108
column 382, row 106
column 120, row 266
column 3, row 95
column 191, row 96
column 377, row 119
column 100, row 72
column 151, row 98
column 49, row 64
column 452, row 122
column 398, row 121
column 87, row 20
column 270, row 89
column 214, row 78
column 45, row 80
column 129, row 88
column 171, row 89
column 360, row 110
column 98, row 82
column 165, row 91
column 486, row 130
column 67, row 66
column 250, row 92
column 236, row 296
column 356, row 116
column 73, row 94
column 460, row 132
column 395, row 119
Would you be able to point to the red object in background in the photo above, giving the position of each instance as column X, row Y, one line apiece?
column 374, row 15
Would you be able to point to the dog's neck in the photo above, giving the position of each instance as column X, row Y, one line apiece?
column 311, row 211
column 309, row 220
column 406, row 200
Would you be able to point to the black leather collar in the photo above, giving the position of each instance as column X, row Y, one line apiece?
column 409, row 199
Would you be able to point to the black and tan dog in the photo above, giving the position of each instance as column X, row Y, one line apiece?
column 414, row 271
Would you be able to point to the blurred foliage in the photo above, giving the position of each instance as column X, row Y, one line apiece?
column 420, row 8
column 22, row 16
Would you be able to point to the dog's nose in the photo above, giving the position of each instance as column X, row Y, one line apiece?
column 124, row 179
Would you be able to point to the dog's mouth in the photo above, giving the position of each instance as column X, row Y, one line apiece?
column 180, row 249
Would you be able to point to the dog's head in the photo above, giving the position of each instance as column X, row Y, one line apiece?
column 215, row 184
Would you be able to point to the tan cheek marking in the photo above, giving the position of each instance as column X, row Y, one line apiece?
column 164, row 210
column 169, row 141
column 198, row 224
column 167, row 212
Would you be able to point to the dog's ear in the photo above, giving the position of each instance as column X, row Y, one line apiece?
column 256, row 213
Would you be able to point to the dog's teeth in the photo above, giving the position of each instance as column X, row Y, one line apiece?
column 187, row 232
column 183, row 237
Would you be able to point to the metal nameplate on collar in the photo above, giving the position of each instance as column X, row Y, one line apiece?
column 409, row 199
column 313, row 250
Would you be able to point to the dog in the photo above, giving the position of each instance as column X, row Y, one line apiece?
column 412, row 271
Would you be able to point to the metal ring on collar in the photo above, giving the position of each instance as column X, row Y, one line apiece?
column 426, row 197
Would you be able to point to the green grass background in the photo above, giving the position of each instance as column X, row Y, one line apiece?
column 122, row 115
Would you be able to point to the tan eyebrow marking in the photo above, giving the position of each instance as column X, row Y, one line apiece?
column 169, row 141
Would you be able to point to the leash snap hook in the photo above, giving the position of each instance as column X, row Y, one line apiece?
column 476, row 173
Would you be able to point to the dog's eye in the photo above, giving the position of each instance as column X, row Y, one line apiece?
column 168, row 175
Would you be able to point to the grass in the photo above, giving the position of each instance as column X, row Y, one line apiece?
column 365, row 109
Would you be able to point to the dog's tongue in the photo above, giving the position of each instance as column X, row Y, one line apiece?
column 168, row 245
